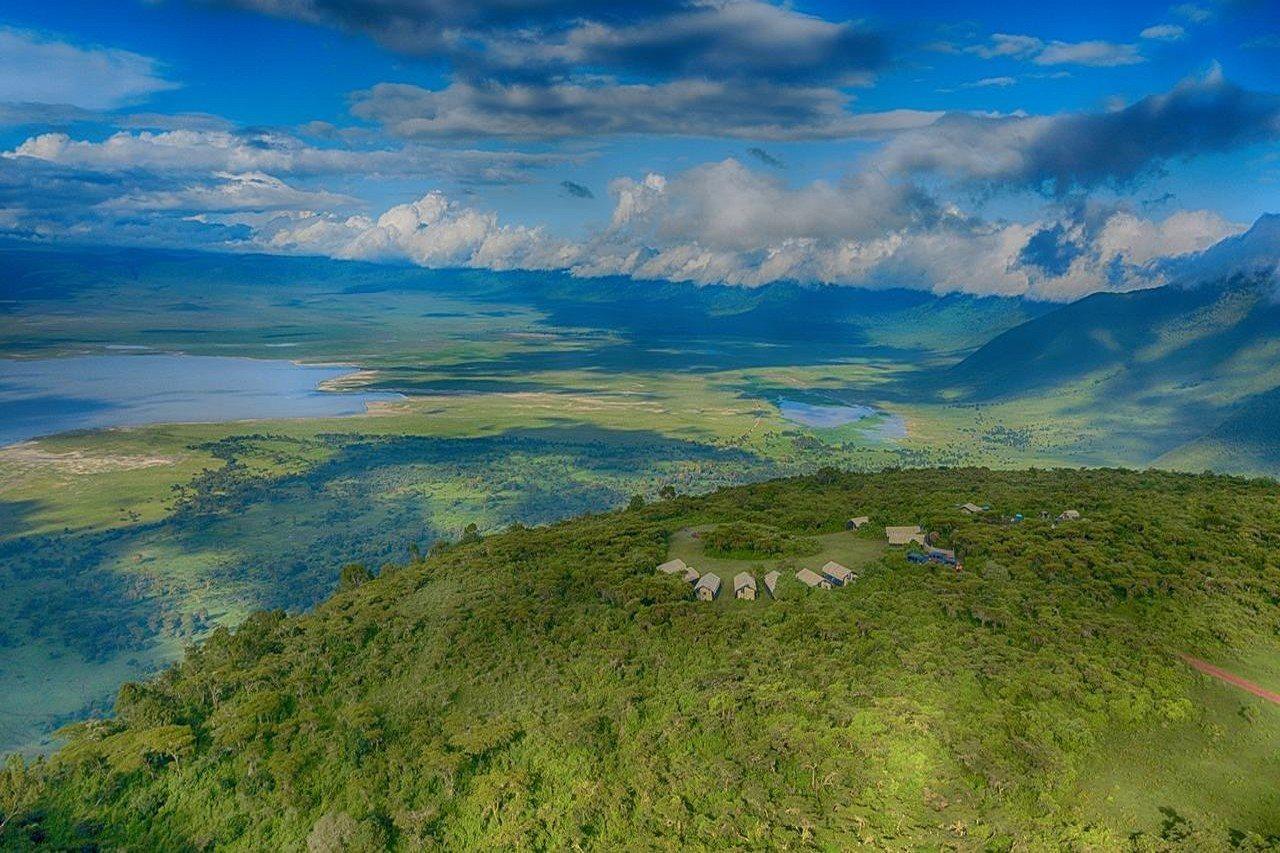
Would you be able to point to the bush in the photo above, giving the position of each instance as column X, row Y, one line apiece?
column 743, row 540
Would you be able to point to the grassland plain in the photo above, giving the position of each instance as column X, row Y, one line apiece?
column 528, row 399
column 546, row 688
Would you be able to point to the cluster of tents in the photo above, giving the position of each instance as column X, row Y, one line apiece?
column 707, row 587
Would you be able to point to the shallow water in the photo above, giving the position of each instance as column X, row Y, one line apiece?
column 880, row 424
column 46, row 396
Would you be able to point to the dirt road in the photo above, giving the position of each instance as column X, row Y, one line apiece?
column 1222, row 674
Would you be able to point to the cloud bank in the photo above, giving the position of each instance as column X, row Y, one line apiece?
column 39, row 70
column 724, row 223
column 1204, row 115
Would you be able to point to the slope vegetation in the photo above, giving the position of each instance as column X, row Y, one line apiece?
column 544, row 688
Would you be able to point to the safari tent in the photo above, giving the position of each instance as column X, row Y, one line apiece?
column 812, row 579
column 838, row 574
column 679, row 567
column 971, row 509
column 674, row 567
column 857, row 523
column 707, row 587
column 744, row 586
column 771, row 582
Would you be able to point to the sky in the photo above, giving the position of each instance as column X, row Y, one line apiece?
column 1039, row 150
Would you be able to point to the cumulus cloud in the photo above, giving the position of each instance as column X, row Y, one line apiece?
column 1198, row 116
column 432, row 231
column 722, row 223
column 715, row 223
column 689, row 107
column 36, row 69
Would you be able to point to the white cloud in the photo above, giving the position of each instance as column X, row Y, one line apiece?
column 432, row 231
column 1141, row 241
column 1193, row 13
column 722, row 223
column 1006, row 45
column 35, row 69
column 1096, row 54
column 247, row 191
column 204, row 151
column 989, row 82
column 1164, row 32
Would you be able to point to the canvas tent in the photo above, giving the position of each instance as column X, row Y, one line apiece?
column 679, row 567
column 812, row 579
column 771, row 582
column 856, row 523
column 708, row 587
column 838, row 574
column 744, row 586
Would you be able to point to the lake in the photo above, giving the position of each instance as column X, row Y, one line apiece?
column 880, row 424
column 46, row 396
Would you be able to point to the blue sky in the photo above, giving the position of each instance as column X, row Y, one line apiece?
column 942, row 147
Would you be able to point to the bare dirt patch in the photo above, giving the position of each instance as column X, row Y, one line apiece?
column 29, row 455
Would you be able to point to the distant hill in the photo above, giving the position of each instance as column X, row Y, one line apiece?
column 547, row 689
column 1247, row 441
column 1132, row 343
column 1185, row 375
column 1219, row 322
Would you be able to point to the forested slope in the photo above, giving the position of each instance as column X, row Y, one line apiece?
column 545, row 688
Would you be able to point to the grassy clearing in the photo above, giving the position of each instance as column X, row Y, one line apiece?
column 1219, row 764
column 848, row 549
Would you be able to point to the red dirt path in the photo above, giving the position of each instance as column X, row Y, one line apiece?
column 1243, row 684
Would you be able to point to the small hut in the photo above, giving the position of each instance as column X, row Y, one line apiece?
column 707, row 587
column 674, row 567
column 838, row 574
column 812, row 579
column 679, row 567
column 1069, row 515
column 856, row 523
column 905, row 535
column 971, row 509
column 771, row 583
column 744, row 586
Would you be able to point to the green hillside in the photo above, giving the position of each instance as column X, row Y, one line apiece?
column 1130, row 344
column 545, row 688
column 1247, row 441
